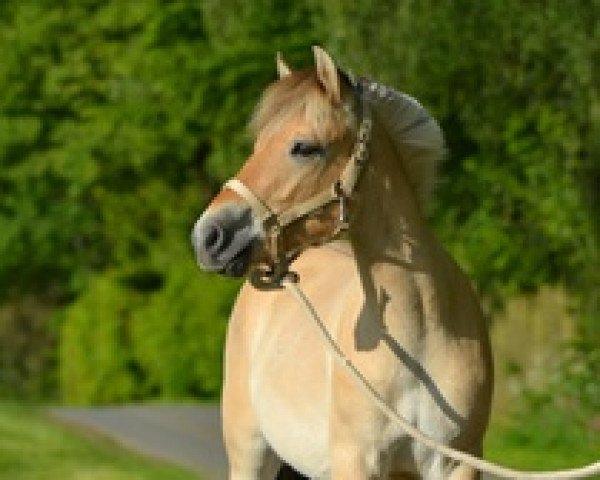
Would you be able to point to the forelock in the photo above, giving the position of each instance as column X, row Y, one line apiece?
column 291, row 95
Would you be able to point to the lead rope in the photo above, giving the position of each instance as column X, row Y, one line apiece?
column 289, row 281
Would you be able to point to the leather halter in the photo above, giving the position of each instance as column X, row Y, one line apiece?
column 274, row 222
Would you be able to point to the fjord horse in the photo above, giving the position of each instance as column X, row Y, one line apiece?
column 396, row 303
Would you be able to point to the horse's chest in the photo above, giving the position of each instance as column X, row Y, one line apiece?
column 299, row 436
column 290, row 387
column 295, row 418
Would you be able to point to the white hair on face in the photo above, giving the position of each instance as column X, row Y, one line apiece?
column 417, row 137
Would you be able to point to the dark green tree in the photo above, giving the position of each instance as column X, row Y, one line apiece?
column 119, row 121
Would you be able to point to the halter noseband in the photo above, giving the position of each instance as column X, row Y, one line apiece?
column 274, row 222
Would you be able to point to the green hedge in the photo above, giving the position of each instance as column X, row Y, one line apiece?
column 118, row 121
column 516, row 87
column 119, row 344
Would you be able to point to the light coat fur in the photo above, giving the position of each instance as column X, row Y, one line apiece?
column 397, row 304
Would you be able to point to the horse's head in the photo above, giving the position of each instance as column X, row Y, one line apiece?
column 291, row 192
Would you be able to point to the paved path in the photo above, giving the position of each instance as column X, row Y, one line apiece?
column 185, row 435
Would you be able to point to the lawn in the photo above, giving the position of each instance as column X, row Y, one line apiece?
column 525, row 447
column 32, row 447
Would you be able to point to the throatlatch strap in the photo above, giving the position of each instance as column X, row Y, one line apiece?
column 312, row 204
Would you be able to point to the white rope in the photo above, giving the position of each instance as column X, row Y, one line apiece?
column 471, row 460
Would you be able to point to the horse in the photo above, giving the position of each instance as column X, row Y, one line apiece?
column 335, row 191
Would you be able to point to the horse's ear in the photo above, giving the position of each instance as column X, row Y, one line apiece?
column 282, row 68
column 327, row 74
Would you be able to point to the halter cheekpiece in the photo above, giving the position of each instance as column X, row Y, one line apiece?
column 340, row 191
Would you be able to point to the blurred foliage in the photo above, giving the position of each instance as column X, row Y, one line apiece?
column 566, row 410
column 122, row 343
column 118, row 121
column 27, row 348
column 516, row 87
column 36, row 447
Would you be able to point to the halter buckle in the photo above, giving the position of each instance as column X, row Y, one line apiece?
column 271, row 277
column 343, row 201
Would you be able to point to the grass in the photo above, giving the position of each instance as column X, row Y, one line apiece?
column 525, row 447
column 32, row 447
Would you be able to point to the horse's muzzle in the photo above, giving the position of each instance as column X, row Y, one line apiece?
column 224, row 240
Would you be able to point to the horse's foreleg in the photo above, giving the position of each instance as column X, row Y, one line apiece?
column 464, row 472
column 249, row 455
column 444, row 468
column 349, row 461
column 353, row 434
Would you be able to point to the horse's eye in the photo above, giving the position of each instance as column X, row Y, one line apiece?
column 303, row 148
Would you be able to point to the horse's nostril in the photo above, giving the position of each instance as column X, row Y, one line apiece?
column 214, row 239
column 222, row 241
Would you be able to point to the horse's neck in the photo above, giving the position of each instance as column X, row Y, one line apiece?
column 387, row 221
column 390, row 239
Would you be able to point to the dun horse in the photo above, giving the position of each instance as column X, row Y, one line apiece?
column 335, row 190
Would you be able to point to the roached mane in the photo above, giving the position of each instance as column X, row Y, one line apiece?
column 417, row 137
